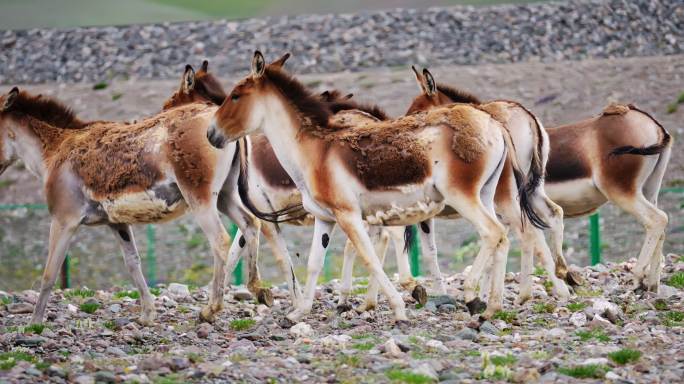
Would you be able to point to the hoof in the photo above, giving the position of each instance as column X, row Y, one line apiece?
column 265, row 297
column 365, row 307
column 476, row 306
column 420, row 294
column 342, row 308
column 574, row 278
column 206, row 315
column 522, row 299
column 286, row 323
column 402, row 325
column 488, row 314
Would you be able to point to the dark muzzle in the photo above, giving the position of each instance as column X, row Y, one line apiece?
column 216, row 138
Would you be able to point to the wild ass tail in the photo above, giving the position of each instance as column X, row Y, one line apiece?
column 292, row 212
column 654, row 149
column 526, row 185
column 409, row 238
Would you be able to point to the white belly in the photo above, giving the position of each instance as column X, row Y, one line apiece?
column 576, row 197
column 409, row 206
column 142, row 207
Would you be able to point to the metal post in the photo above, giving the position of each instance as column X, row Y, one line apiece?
column 595, row 238
column 237, row 273
column 66, row 273
column 414, row 252
column 327, row 272
column 151, row 256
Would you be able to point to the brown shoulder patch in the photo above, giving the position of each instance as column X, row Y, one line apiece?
column 615, row 109
column 464, row 120
column 498, row 110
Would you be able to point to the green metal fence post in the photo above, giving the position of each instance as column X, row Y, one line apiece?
column 327, row 271
column 66, row 273
column 414, row 252
column 237, row 273
column 595, row 238
column 151, row 256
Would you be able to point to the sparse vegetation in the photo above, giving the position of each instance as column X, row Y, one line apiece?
column 497, row 367
column 101, row 85
column 364, row 346
column 131, row 294
column 595, row 334
column 677, row 280
column 585, row 292
column 576, row 307
column 406, row 376
column 543, row 307
column 660, row 305
column 109, row 324
column 89, row 308
column 673, row 318
column 242, row 324
column 9, row 359
column 5, row 300
column 589, row 371
column 539, row 271
column 507, row 316
column 79, row 292
column 35, row 328
column 625, row 356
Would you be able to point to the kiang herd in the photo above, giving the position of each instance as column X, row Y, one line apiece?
column 273, row 152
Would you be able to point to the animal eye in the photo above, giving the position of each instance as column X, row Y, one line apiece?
column 234, row 97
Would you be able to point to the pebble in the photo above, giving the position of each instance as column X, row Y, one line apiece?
column 301, row 330
column 242, row 295
column 19, row 308
column 392, row 349
column 467, row 334
column 489, row 328
column 336, row 340
column 204, row 330
column 178, row 290
column 84, row 379
column 556, row 333
column 105, row 377
column 115, row 308
column 436, row 345
column 578, row 319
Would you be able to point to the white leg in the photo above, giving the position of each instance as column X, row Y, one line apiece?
column 319, row 244
column 60, row 237
column 124, row 235
column 406, row 280
column 429, row 251
column 282, row 255
column 343, row 304
column 381, row 244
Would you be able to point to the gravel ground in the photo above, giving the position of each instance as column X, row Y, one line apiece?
column 606, row 332
column 558, row 92
column 563, row 30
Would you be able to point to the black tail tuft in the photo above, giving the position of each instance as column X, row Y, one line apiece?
column 409, row 238
column 643, row 151
column 525, row 190
column 293, row 212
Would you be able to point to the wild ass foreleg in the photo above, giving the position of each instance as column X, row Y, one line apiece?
column 208, row 219
column 381, row 244
column 282, row 255
column 343, row 304
column 124, row 235
column 406, row 280
column 60, row 237
column 429, row 251
column 353, row 226
column 552, row 214
column 319, row 244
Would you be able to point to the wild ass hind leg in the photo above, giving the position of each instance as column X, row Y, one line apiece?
column 353, row 226
column 61, row 232
column 428, row 246
column 319, row 244
column 282, row 255
column 381, row 245
column 124, row 235
column 406, row 280
column 343, row 304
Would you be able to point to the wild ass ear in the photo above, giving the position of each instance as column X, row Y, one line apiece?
column 258, row 65
column 325, row 95
column 205, row 66
column 188, row 79
column 10, row 98
column 281, row 61
column 348, row 96
column 420, row 79
column 430, row 85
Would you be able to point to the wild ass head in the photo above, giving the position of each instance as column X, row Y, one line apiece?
column 200, row 86
column 434, row 94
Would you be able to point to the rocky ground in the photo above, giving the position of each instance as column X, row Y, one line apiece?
column 606, row 332
column 548, row 31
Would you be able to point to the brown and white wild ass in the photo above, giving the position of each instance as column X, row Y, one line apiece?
column 394, row 172
column 118, row 174
column 619, row 156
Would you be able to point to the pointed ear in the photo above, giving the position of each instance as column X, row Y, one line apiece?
column 188, row 79
column 348, row 96
column 325, row 96
column 420, row 79
column 280, row 62
column 430, row 85
column 10, row 98
column 205, row 66
column 258, row 65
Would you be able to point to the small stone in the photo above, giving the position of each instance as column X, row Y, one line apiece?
column 596, row 361
column 152, row 363
column 530, row 375
column 105, row 377
column 467, row 334
column 116, row 351
column 72, row 308
column 556, row 333
column 448, row 308
column 54, row 370
column 666, row 291
column 28, row 341
column 33, row 372
column 204, row 330
column 426, row 369
column 392, row 349
column 610, row 375
column 489, row 328
column 442, row 300
column 179, row 364
column 430, row 306
column 19, row 308
column 436, row 345
column 336, row 340
column 301, row 330
column 178, row 290
column 115, row 308
column 578, row 319
column 84, row 379
column 599, row 322
column 242, row 295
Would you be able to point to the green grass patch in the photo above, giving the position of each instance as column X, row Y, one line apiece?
column 594, row 334
column 109, row 324
column 242, row 324
column 406, row 376
column 585, row 292
column 577, row 306
column 677, row 280
column 539, row 271
column 359, row 290
column 116, row 96
column 363, row 346
column 589, row 371
column 132, row 294
column 497, row 367
column 673, row 318
column 35, row 328
column 79, row 292
column 101, row 85
column 89, row 308
column 543, row 307
column 473, row 353
column 349, row 360
column 507, row 316
column 6, row 300
column 660, row 305
column 503, row 360
column 9, row 359
column 625, row 356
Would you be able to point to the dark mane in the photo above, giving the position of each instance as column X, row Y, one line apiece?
column 457, row 95
column 343, row 105
column 301, row 98
column 47, row 110
column 209, row 87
